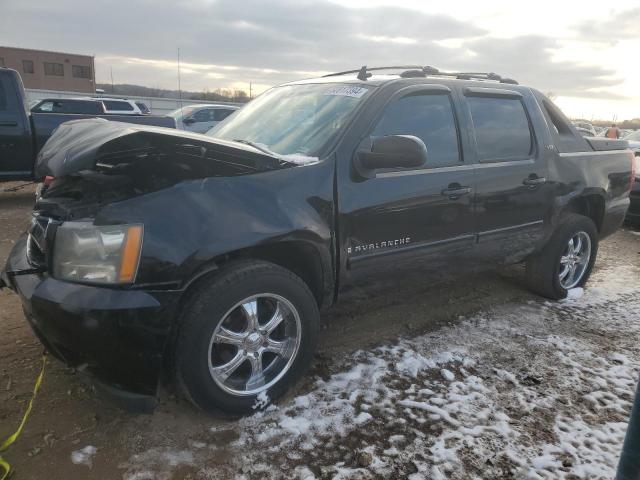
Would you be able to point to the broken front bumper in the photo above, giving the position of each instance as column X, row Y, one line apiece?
column 119, row 336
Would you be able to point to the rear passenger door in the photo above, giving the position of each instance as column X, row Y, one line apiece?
column 513, row 198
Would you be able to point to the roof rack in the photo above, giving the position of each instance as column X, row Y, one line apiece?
column 415, row 71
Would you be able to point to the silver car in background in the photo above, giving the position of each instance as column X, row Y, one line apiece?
column 201, row 118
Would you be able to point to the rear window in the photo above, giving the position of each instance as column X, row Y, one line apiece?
column 501, row 128
column 117, row 105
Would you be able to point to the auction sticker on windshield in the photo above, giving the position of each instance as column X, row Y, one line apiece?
column 354, row 91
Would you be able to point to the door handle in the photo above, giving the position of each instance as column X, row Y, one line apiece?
column 455, row 191
column 533, row 181
column 8, row 123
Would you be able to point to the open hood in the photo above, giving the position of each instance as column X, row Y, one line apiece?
column 102, row 145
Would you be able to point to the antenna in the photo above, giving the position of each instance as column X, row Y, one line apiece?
column 179, row 86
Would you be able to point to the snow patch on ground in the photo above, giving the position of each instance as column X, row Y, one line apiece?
column 540, row 391
column 262, row 401
column 156, row 464
column 575, row 293
column 84, row 456
column 448, row 375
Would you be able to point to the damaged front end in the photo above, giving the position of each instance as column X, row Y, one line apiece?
column 95, row 161
column 90, row 164
column 75, row 268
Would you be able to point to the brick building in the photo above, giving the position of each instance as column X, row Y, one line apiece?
column 51, row 70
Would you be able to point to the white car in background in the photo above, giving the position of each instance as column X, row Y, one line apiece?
column 90, row 106
column 201, row 118
column 585, row 129
column 121, row 106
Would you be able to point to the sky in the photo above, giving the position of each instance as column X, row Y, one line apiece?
column 584, row 52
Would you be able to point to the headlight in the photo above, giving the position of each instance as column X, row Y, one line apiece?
column 84, row 252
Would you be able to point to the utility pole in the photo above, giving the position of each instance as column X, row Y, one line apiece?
column 112, row 89
column 250, row 97
column 179, row 85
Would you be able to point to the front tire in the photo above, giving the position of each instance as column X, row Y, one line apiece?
column 566, row 260
column 251, row 332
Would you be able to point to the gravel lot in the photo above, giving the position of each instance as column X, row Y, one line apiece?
column 467, row 378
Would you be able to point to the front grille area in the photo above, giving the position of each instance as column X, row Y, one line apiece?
column 38, row 241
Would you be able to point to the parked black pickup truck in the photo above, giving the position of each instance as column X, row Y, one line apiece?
column 22, row 134
column 211, row 256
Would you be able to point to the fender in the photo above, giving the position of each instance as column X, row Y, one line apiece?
column 193, row 227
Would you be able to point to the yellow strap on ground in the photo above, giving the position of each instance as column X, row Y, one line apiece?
column 4, row 466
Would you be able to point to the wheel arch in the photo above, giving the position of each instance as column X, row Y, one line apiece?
column 589, row 204
column 302, row 257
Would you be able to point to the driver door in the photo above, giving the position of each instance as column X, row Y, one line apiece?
column 411, row 219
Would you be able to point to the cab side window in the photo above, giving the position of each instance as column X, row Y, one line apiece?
column 430, row 118
column 117, row 105
column 502, row 129
column 46, row 106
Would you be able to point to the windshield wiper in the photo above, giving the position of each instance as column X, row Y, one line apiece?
column 257, row 146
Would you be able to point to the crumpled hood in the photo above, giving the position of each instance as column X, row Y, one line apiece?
column 99, row 144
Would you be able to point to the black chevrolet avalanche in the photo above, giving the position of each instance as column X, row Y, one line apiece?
column 210, row 256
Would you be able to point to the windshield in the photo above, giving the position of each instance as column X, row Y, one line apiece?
column 293, row 119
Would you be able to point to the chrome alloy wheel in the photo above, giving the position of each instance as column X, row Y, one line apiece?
column 255, row 344
column 575, row 260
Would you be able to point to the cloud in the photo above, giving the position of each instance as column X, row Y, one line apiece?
column 623, row 25
column 603, row 95
column 230, row 42
column 529, row 59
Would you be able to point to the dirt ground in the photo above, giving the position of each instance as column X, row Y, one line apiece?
column 68, row 416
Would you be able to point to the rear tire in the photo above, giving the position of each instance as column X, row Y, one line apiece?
column 545, row 269
column 251, row 332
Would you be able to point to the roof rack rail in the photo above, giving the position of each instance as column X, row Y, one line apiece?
column 413, row 71
column 364, row 67
column 483, row 76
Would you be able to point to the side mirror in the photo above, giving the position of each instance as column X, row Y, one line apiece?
column 392, row 151
column 188, row 120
